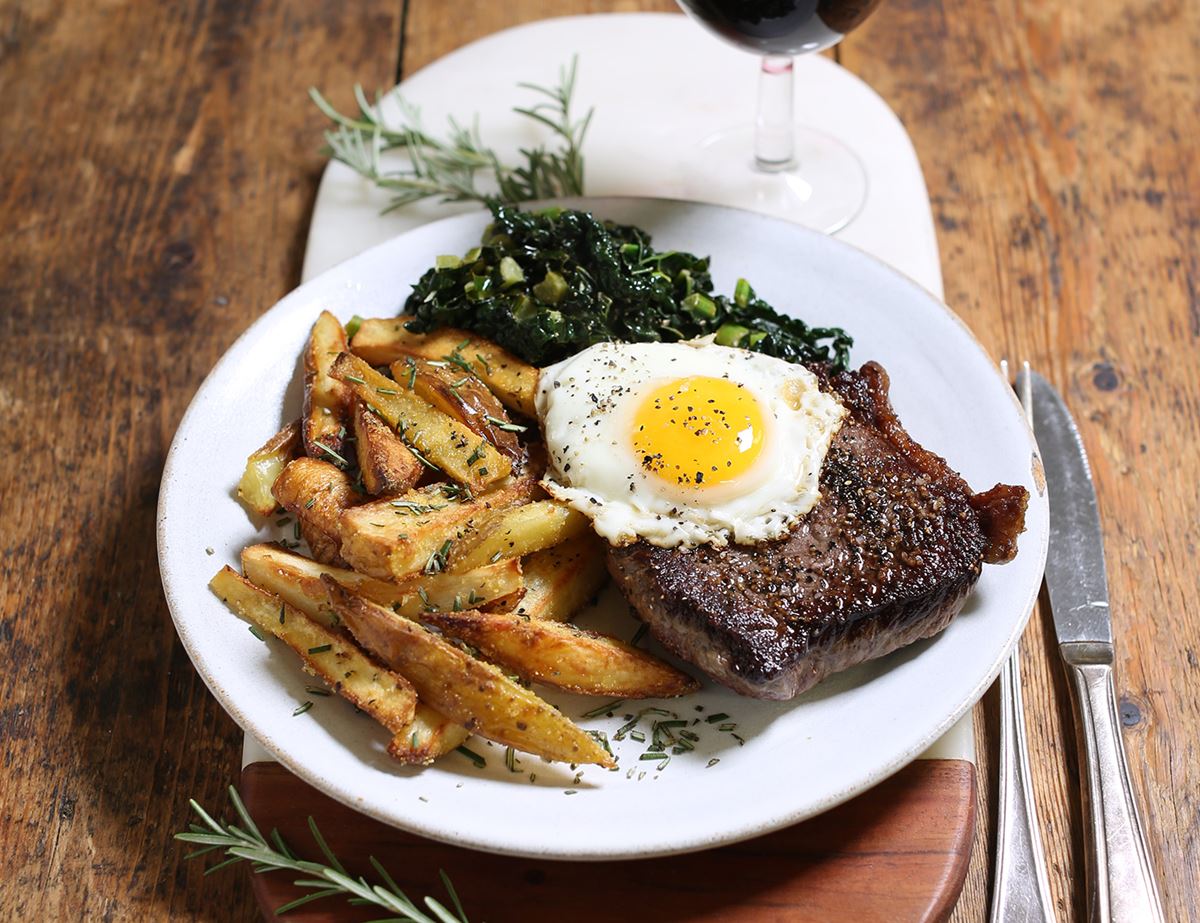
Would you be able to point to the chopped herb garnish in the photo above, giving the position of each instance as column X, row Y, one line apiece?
column 639, row 634
column 652, row 755
column 713, row 762
column 719, row 716
column 437, row 561
column 282, row 613
column 320, row 649
column 309, row 504
column 569, row 791
column 638, row 736
column 477, row 454
column 455, row 359
column 728, row 726
column 355, row 379
column 317, row 690
column 410, row 506
column 505, row 425
column 353, row 325
column 510, row 759
column 302, row 708
column 386, row 390
column 602, row 739
column 482, row 361
column 332, row 454
column 604, row 709
column 474, row 757
column 258, row 634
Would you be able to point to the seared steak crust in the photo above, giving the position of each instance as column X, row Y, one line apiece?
column 887, row 557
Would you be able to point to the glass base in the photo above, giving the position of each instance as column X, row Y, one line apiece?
column 824, row 189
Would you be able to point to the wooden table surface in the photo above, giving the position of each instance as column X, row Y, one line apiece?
column 157, row 168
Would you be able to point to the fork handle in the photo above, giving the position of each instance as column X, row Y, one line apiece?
column 1021, row 890
column 1121, row 888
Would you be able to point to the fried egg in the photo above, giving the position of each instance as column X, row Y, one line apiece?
column 685, row 443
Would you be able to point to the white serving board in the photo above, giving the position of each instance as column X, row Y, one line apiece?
column 659, row 85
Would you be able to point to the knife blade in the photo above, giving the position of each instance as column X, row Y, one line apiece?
column 1121, row 880
column 1075, row 574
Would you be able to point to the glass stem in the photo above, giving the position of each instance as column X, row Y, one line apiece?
column 774, row 138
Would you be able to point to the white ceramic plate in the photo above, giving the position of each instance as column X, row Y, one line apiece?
column 798, row 758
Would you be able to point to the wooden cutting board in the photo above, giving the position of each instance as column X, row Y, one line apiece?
column 894, row 854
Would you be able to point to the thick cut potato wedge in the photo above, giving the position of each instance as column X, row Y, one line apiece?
column 517, row 531
column 264, row 466
column 316, row 493
column 560, row 581
column 429, row 735
column 475, row 694
column 384, row 340
column 440, row 439
column 387, row 465
column 297, row 580
column 397, row 537
column 461, row 395
column 382, row 694
column 563, row 656
column 326, row 400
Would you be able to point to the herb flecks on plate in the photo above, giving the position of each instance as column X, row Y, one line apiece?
column 548, row 284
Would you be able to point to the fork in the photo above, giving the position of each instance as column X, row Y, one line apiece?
column 1021, row 888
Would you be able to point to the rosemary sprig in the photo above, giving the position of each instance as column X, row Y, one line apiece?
column 452, row 167
column 324, row 879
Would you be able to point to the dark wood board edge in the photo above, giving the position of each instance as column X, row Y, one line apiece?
column 898, row 852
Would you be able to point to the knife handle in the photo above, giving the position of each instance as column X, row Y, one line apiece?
column 1121, row 888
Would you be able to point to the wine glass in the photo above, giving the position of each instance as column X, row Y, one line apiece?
column 793, row 172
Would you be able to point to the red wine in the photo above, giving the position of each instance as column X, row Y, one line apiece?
column 783, row 27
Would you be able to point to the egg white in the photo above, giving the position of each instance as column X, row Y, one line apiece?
column 586, row 405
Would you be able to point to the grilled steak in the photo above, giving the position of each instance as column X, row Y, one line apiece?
column 886, row 557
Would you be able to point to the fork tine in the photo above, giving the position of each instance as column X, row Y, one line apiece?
column 1025, row 380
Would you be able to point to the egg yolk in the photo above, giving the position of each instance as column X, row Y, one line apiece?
column 698, row 432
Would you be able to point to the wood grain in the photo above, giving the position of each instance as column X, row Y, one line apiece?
column 157, row 166
column 1067, row 199
column 898, row 852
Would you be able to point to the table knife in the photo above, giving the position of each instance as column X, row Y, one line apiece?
column 1121, row 884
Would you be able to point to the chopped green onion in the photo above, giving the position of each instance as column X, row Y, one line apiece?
column 301, row 709
column 448, row 261
column 258, row 634
column 352, row 326
column 551, row 289
column 742, row 293
column 652, row 755
column 320, row 649
column 510, row 271
column 731, row 334
column 719, row 716
column 700, row 306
